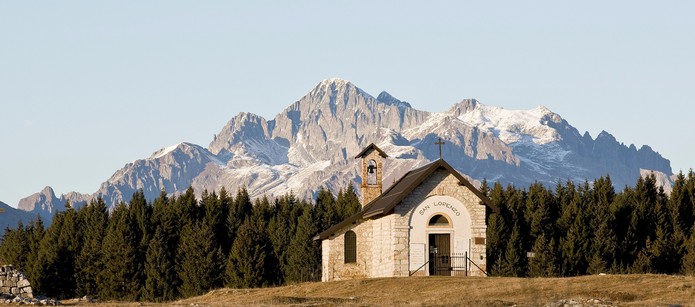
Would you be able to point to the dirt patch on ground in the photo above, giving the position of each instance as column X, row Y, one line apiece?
column 608, row 290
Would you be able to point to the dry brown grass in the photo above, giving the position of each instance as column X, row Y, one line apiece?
column 623, row 290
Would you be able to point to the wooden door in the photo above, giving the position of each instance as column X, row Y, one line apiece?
column 440, row 254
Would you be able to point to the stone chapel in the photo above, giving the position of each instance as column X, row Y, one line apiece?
column 431, row 221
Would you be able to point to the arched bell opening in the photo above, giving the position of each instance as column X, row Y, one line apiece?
column 371, row 172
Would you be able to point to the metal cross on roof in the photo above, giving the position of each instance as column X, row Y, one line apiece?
column 440, row 143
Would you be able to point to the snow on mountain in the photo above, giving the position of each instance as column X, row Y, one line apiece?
column 312, row 143
column 513, row 126
column 535, row 143
column 162, row 152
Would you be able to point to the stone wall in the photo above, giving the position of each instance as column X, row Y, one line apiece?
column 382, row 262
column 334, row 264
column 14, row 282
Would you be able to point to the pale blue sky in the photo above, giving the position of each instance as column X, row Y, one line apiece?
column 88, row 86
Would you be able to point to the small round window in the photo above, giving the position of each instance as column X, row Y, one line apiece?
column 438, row 220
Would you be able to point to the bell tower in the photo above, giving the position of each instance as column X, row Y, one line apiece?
column 371, row 172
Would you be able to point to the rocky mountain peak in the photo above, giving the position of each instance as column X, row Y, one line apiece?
column 463, row 107
column 46, row 200
column 335, row 81
column 543, row 109
column 183, row 147
column 338, row 118
column 547, row 115
column 242, row 127
column 604, row 136
column 48, row 192
column 385, row 97
column 334, row 86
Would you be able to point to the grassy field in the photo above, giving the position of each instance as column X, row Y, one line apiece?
column 615, row 290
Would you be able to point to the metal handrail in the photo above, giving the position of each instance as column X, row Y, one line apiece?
column 422, row 266
column 471, row 260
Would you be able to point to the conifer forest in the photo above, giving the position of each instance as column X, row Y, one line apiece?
column 180, row 246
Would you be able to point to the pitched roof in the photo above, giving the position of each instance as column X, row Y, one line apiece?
column 370, row 147
column 400, row 190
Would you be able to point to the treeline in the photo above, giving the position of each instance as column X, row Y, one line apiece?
column 175, row 246
column 589, row 229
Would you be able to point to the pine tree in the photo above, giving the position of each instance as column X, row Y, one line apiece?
column 117, row 279
column 544, row 262
column 513, row 263
column 348, row 203
column 688, row 267
column 280, row 230
column 620, row 215
column 498, row 230
column 188, row 209
column 89, row 260
column 54, row 272
column 643, row 262
column 159, row 283
column 681, row 206
column 216, row 215
column 247, row 259
column 496, row 243
column 642, row 222
column 485, row 187
column 160, row 266
column 603, row 250
column 541, row 212
column 574, row 246
column 262, row 210
column 14, row 247
column 139, row 218
column 603, row 239
column 327, row 213
column 599, row 202
column 239, row 210
column 35, row 234
column 304, row 261
column 516, row 204
column 223, row 232
column 691, row 192
column 666, row 257
column 200, row 260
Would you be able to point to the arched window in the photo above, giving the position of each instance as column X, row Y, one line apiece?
column 371, row 172
column 350, row 247
column 438, row 220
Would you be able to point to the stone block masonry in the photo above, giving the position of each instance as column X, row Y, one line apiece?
column 16, row 289
column 14, row 282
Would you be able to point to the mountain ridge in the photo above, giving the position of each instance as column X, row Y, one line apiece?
column 311, row 143
column 10, row 217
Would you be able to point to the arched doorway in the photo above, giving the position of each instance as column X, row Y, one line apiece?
column 440, row 233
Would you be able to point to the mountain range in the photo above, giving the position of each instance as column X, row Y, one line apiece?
column 312, row 143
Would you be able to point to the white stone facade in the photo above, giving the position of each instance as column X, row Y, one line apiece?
column 396, row 244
